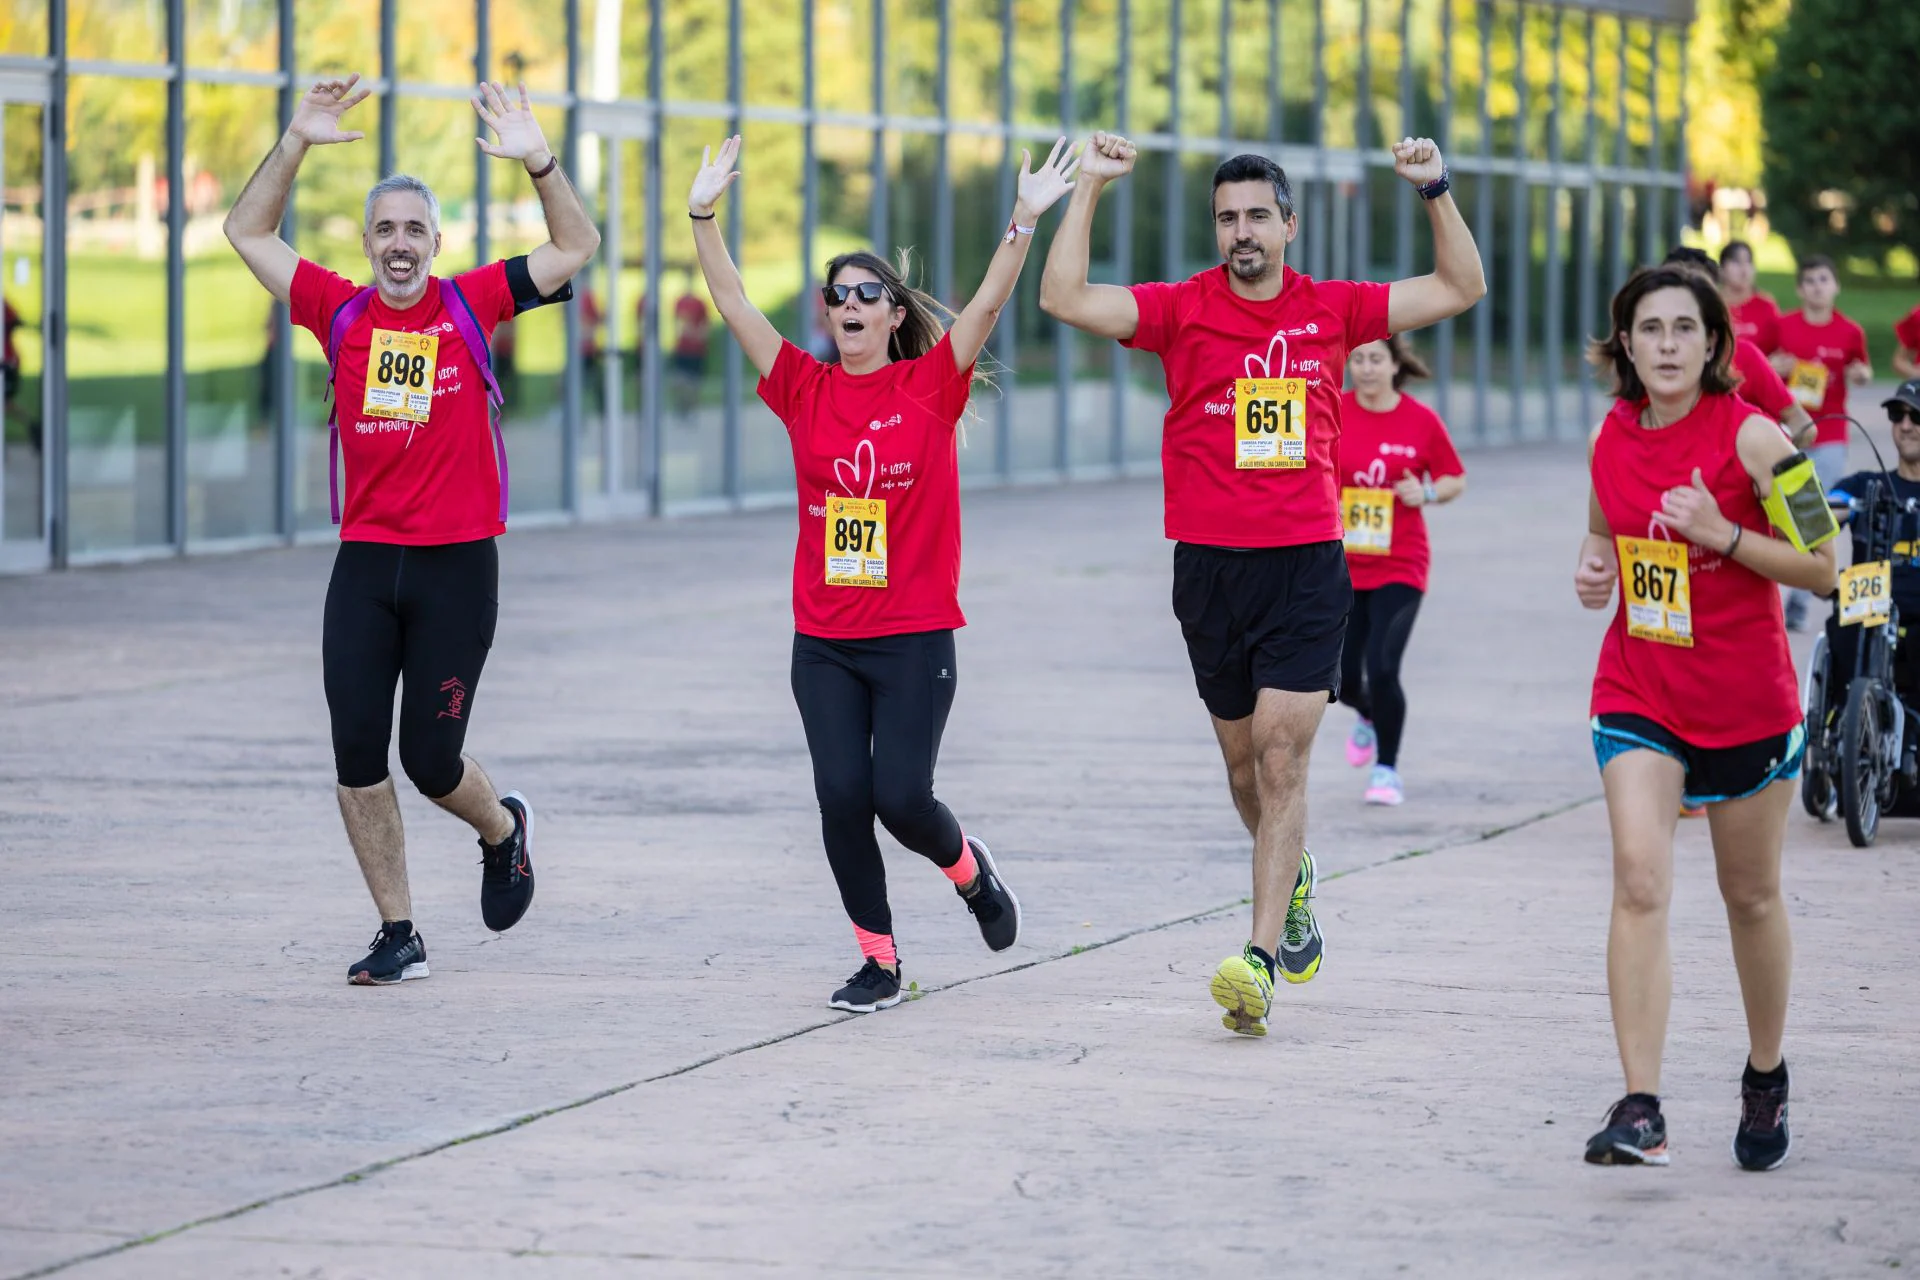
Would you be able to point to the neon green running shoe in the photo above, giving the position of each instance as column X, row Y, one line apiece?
column 1243, row 987
column 1300, row 942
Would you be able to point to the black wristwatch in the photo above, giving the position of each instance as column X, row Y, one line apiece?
column 1438, row 187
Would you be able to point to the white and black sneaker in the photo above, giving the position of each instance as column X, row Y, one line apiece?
column 870, row 989
column 506, row 878
column 396, row 954
column 993, row 905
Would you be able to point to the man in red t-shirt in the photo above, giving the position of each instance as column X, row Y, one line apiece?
column 1253, row 353
column 1754, row 313
column 415, row 585
column 1906, row 348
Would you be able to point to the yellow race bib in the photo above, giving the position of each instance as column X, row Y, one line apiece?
column 856, row 542
column 1269, row 424
column 1659, row 594
column 1368, row 516
column 1866, row 594
column 401, row 371
column 1808, row 382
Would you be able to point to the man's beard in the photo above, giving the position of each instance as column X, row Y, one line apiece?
column 1253, row 271
column 412, row 287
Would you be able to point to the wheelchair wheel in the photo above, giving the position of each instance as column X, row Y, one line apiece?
column 1817, row 793
column 1862, row 758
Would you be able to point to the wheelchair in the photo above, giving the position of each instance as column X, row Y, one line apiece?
column 1863, row 742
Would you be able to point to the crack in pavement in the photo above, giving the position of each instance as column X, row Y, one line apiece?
column 601, row 1095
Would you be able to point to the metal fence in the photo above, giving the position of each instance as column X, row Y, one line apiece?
column 163, row 405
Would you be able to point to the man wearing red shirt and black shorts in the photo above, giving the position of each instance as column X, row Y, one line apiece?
column 1253, row 353
column 415, row 589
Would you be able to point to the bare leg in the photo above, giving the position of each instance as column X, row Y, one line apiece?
column 1643, row 805
column 372, row 815
column 1236, row 748
column 1746, row 851
column 1282, row 735
column 476, row 803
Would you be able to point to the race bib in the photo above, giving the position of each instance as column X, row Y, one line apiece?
column 1659, row 596
column 1269, row 424
column 856, row 542
column 401, row 371
column 1866, row 594
column 1368, row 516
column 1808, row 382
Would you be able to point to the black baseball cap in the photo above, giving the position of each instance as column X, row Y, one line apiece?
column 1907, row 393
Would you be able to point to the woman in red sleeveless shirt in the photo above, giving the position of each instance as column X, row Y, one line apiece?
column 876, row 571
column 1694, row 700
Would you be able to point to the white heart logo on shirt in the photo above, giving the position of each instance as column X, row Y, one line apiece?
column 849, row 473
column 1374, row 477
column 1258, row 368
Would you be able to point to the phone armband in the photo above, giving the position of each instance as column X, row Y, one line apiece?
column 1796, row 505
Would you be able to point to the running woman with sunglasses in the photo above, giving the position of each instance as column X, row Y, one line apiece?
column 1694, row 697
column 876, row 570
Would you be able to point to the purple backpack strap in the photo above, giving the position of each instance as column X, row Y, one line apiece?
column 343, row 319
column 464, row 320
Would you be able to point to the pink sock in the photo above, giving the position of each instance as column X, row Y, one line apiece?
column 876, row 946
column 963, row 871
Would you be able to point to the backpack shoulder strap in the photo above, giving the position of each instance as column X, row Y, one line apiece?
column 344, row 317
column 454, row 303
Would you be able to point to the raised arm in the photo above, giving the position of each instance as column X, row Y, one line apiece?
column 1105, row 310
column 1457, row 281
column 1037, row 193
column 253, row 224
column 571, row 235
column 751, row 329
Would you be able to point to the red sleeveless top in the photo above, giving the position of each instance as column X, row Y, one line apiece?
column 1736, row 684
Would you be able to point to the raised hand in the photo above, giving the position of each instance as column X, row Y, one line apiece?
column 1418, row 160
column 715, row 176
column 1106, row 156
column 316, row 120
column 1042, row 188
column 517, row 130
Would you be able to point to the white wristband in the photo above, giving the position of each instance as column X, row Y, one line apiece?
column 1014, row 228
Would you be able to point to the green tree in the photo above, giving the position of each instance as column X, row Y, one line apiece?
column 1842, row 170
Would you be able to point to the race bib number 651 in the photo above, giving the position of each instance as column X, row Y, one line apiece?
column 1269, row 424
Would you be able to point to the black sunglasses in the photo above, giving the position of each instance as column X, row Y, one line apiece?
column 867, row 291
column 1899, row 413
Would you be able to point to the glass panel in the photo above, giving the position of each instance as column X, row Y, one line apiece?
column 913, row 58
column 120, row 30
column 117, row 329
column 23, row 28
column 1343, row 72
column 775, row 71
column 973, row 73
column 1463, row 126
column 1096, row 67
column 696, row 39
column 770, row 264
column 1036, row 63
column 232, row 34
column 22, row 243
column 616, row 45
column 1296, row 70
column 530, row 43
column 230, row 389
column 1150, row 78
column 530, row 351
column 693, row 426
column 1253, row 79
column 612, row 291
column 974, row 163
column 339, row 36
column 843, row 43
column 434, row 43
column 1200, row 67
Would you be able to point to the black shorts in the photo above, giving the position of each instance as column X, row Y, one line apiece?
column 1713, row 774
column 1267, row 618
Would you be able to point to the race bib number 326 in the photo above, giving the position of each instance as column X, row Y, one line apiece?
column 1866, row 594
column 856, row 542
column 1269, row 424
column 401, row 371
column 1659, row 594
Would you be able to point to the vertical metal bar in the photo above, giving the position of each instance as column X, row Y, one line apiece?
column 1623, row 234
column 877, row 216
column 389, row 99
column 1117, row 357
column 1063, row 334
column 613, row 176
column 730, row 443
column 176, row 382
column 1403, row 192
column 1277, row 96
column 650, row 416
column 1520, row 238
column 1174, row 180
column 571, row 369
column 943, row 163
column 1555, row 336
column 1006, row 336
column 285, row 433
column 1443, row 340
column 53, row 305
column 1682, row 163
column 1363, row 130
column 1483, row 230
column 1588, row 283
column 809, row 180
column 1227, row 130
column 1652, row 224
column 1317, row 229
column 482, row 169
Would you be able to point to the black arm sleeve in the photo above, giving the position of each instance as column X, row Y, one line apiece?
column 525, row 295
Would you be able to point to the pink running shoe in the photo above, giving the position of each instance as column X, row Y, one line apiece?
column 1384, row 787
column 1360, row 745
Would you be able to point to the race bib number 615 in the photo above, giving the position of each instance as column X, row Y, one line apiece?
column 1269, row 424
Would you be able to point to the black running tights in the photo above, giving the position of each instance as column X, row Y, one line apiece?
column 874, row 711
column 425, row 613
column 1377, row 633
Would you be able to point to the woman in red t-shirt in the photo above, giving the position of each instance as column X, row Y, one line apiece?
column 876, row 571
column 1694, row 699
column 1395, row 460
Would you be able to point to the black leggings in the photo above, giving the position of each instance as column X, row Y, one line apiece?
column 874, row 711
column 427, row 612
column 1377, row 633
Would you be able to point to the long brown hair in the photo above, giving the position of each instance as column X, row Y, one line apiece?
column 1406, row 365
column 1609, row 355
column 926, row 320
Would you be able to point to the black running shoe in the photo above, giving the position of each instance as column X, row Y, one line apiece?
column 1636, row 1133
column 506, row 884
column 1761, row 1141
column 994, row 907
column 870, row 989
column 396, row 954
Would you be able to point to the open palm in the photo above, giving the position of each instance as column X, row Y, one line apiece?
column 715, row 176
column 514, row 125
column 1040, row 189
column 316, row 120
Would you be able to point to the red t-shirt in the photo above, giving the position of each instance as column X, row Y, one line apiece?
column 1760, row 386
column 1376, row 452
column 1755, row 320
column 413, row 484
column 887, row 435
column 1831, row 346
column 1736, row 684
column 690, row 315
column 1207, row 337
column 1907, row 332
